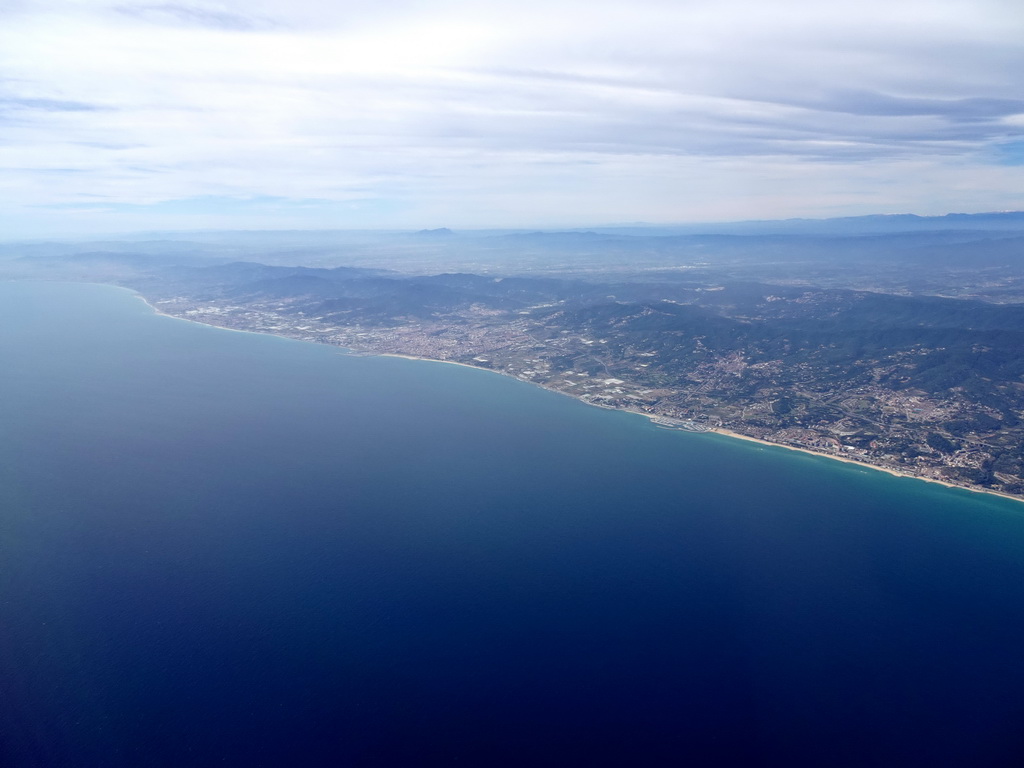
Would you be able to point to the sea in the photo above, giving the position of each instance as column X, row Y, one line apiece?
column 229, row 549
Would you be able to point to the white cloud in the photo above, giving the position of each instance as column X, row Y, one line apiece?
column 500, row 112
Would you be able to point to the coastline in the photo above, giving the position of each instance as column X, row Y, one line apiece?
column 719, row 431
column 864, row 464
column 160, row 312
column 651, row 417
column 435, row 360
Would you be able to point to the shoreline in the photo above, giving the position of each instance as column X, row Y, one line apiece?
column 864, row 464
column 160, row 312
column 649, row 416
column 717, row 430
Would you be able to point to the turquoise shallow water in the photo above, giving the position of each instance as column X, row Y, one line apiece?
column 221, row 547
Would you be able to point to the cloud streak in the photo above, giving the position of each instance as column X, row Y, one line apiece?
column 179, row 14
column 510, row 114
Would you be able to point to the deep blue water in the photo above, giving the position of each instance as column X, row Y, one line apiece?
column 228, row 549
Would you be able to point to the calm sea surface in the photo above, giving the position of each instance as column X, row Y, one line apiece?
column 228, row 549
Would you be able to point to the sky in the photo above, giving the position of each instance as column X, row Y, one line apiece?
column 250, row 114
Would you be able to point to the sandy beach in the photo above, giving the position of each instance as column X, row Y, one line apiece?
column 866, row 465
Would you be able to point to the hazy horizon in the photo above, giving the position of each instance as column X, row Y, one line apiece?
column 747, row 226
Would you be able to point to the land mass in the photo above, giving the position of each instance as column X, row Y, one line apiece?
column 899, row 350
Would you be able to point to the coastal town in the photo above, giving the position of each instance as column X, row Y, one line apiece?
column 900, row 430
